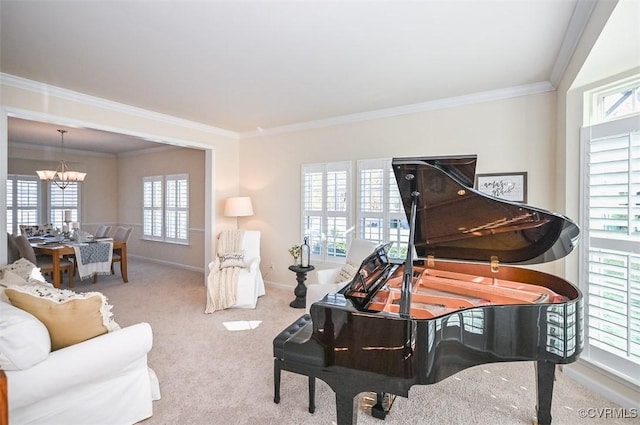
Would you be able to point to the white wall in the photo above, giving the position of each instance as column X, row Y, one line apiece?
column 571, row 119
column 132, row 169
column 516, row 134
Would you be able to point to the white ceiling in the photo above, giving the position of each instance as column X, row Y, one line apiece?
column 247, row 65
column 43, row 135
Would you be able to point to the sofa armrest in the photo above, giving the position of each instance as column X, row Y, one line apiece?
column 214, row 264
column 253, row 265
column 92, row 360
column 326, row 276
column 318, row 291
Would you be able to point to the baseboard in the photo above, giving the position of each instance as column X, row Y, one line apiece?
column 279, row 285
column 168, row 263
column 623, row 393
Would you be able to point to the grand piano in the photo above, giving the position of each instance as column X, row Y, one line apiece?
column 452, row 304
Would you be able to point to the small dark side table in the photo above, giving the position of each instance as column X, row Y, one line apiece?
column 301, row 289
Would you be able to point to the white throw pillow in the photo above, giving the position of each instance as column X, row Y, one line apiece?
column 346, row 273
column 26, row 270
column 8, row 278
column 231, row 259
column 24, row 340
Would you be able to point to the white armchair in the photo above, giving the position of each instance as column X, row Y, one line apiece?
column 328, row 281
column 250, row 283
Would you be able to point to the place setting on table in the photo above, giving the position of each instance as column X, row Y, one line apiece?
column 92, row 256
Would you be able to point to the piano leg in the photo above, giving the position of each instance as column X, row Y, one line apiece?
column 346, row 408
column 381, row 409
column 545, row 378
column 276, row 381
column 312, row 394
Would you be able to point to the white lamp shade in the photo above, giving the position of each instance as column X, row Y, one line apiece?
column 72, row 176
column 239, row 206
column 46, row 174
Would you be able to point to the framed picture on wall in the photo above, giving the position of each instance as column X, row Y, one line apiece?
column 509, row 186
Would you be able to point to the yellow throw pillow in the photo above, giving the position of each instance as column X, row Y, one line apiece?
column 69, row 317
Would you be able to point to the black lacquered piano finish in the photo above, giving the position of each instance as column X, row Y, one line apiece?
column 457, row 305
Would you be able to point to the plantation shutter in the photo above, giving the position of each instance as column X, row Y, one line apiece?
column 326, row 194
column 177, row 208
column 23, row 193
column 61, row 200
column 381, row 216
column 152, row 208
column 611, row 260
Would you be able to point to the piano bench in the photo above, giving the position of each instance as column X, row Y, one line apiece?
column 296, row 333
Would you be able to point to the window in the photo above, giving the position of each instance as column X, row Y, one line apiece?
column 381, row 215
column 617, row 102
column 611, row 236
column 23, row 194
column 152, row 208
column 61, row 200
column 166, row 208
column 326, row 209
column 177, row 208
column 329, row 203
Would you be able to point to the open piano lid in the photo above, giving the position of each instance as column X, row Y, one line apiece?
column 455, row 221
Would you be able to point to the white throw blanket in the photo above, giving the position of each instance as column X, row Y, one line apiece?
column 222, row 283
column 93, row 258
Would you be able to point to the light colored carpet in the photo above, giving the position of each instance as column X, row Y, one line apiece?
column 209, row 375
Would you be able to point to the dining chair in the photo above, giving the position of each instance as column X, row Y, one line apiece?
column 121, row 234
column 102, row 231
column 44, row 262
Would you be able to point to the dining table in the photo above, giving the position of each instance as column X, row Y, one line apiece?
column 57, row 250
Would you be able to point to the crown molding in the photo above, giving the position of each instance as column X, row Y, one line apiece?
column 451, row 102
column 163, row 148
column 486, row 96
column 58, row 150
column 37, row 87
column 575, row 29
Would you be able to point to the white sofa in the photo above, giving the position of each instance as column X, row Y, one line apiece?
column 102, row 380
column 328, row 281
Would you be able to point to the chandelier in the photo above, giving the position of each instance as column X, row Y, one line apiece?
column 61, row 176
